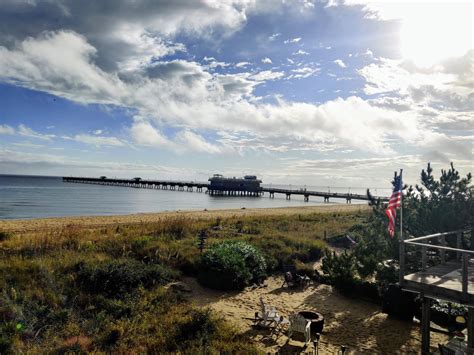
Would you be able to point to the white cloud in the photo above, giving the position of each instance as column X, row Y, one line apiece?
column 6, row 129
column 59, row 63
column 28, row 145
column 41, row 163
column 144, row 133
column 242, row 64
column 293, row 40
column 443, row 84
column 98, row 141
column 196, row 143
column 274, row 36
column 186, row 95
column 444, row 27
column 214, row 64
column 267, row 75
column 28, row 132
column 340, row 63
column 300, row 52
column 267, row 60
column 304, row 72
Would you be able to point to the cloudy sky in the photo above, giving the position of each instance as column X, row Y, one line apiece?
column 323, row 92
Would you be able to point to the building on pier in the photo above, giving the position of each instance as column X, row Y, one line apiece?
column 248, row 185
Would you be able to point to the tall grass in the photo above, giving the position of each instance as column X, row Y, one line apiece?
column 103, row 289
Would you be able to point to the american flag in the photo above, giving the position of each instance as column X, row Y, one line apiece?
column 394, row 202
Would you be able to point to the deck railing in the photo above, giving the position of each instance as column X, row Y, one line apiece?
column 427, row 242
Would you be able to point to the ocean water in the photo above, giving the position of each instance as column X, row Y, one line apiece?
column 25, row 197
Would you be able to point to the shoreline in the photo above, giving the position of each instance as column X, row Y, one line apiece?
column 28, row 225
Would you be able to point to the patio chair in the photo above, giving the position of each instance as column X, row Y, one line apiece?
column 267, row 314
column 292, row 279
column 301, row 325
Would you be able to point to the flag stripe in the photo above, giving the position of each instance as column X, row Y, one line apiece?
column 394, row 202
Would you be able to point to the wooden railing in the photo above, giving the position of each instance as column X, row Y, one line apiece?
column 426, row 242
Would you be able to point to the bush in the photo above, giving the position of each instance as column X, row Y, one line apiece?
column 115, row 277
column 231, row 265
column 387, row 274
column 339, row 270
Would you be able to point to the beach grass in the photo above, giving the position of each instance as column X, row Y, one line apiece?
column 103, row 285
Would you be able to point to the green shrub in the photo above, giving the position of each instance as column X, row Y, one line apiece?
column 116, row 277
column 387, row 273
column 231, row 265
column 339, row 270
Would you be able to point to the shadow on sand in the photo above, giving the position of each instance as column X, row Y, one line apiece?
column 358, row 324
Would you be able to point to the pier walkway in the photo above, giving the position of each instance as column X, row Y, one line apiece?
column 307, row 193
column 199, row 186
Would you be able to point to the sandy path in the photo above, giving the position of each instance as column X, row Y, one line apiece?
column 102, row 221
column 357, row 324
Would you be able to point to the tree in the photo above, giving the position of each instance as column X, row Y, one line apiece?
column 435, row 206
column 439, row 205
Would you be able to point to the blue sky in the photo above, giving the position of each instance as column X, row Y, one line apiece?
column 337, row 93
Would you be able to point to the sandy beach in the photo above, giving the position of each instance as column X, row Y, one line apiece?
column 357, row 324
column 39, row 224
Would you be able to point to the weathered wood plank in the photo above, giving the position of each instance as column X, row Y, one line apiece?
column 444, row 281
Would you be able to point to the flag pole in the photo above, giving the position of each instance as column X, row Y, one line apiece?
column 401, row 247
column 401, row 205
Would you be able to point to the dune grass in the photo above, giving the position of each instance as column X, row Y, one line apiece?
column 83, row 288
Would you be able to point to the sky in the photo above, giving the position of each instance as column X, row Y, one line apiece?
column 324, row 92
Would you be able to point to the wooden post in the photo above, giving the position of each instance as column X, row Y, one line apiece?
column 458, row 245
column 423, row 258
column 401, row 274
column 425, row 325
column 442, row 252
column 470, row 330
column 465, row 261
column 472, row 239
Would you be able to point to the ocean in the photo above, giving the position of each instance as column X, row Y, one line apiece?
column 26, row 197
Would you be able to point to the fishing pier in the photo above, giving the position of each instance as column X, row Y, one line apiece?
column 220, row 186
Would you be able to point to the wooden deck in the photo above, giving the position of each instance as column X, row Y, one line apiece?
column 443, row 281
